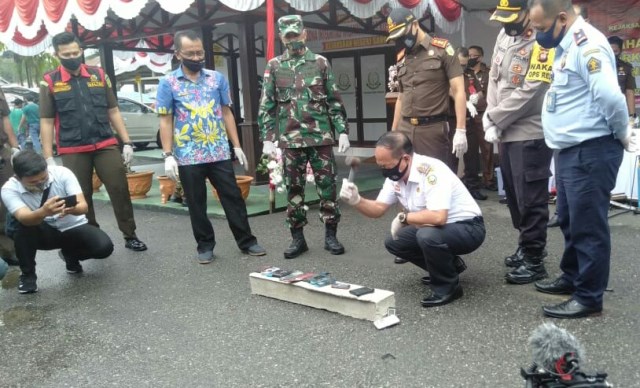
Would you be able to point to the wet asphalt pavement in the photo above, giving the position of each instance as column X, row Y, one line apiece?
column 160, row 319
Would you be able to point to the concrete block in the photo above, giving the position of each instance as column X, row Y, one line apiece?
column 370, row 307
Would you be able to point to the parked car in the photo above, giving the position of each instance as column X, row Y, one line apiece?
column 142, row 122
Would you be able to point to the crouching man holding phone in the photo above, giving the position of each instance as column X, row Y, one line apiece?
column 49, row 207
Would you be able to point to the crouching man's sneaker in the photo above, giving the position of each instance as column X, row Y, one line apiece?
column 255, row 250
column 73, row 266
column 27, row 284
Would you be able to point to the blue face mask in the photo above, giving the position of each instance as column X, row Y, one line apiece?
column 546, row 39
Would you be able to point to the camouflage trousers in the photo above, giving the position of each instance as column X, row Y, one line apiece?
column 324, row 169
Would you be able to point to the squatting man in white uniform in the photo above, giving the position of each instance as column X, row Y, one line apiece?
column 440, row 219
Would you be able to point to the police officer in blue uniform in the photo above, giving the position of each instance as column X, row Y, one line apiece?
column 586, row 119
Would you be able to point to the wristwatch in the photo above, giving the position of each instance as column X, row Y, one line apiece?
column 403, row 217
column 167, row 154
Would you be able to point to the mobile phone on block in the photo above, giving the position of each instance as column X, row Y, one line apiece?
column 361, row 291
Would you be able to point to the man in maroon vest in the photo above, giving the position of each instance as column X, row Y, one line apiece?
column 77, row 100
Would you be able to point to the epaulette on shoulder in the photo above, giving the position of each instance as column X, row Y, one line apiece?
column 579, row 37
column 439, row 42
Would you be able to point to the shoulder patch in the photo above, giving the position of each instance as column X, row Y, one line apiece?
column 439, row 42
column 579, row 37
column 449, row 50
column 424, row 169
column 594, row 65
column 591, row 51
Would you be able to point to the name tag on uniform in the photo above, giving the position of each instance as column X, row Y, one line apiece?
column 551, row 101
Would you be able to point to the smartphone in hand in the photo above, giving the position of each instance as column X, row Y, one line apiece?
column 70, row 201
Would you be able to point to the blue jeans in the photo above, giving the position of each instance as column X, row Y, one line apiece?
column 585, row 177
column 34, row 133
column 22, row 139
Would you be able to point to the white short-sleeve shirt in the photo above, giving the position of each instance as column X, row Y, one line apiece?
column 432, row 186
column 63, row 183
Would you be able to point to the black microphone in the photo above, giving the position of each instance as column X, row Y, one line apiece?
column 555, row 349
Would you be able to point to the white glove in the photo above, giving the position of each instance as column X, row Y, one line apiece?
column 242, row 158
column 396, row 225
column 492, row 134
column 343, row 143
column 349, row 192
column 460, row 142
column 474, row 98
column 171, row 167
column 472, row 109
column 268, row 148
column 51, row 162
column 127, row 153
column 629, row 142
column 486, row 122
column 14, row 152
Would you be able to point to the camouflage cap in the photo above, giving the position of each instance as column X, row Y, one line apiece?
column 398, row 22
column 290, row 23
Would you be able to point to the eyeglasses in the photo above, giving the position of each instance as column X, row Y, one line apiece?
column 192, row 54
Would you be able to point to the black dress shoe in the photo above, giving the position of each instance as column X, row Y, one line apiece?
column 556, row 287
column 571, row 309
column 399, row 260
column 477, row 195
column 503, row 200
column 553, row 222
column 439, row 300
column 460, row 267
column 135, row 245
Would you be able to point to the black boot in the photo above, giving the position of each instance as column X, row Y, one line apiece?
column 298, row 245
column 331, row 243
column 514, row 260
column 532, row 269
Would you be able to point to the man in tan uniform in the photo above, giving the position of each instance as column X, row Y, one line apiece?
column 519, row 77
column 426, row 73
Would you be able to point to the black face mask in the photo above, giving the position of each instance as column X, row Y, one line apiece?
column 472, row 62
column 394, row 173
column 409, row 40
column 516, row 29
column 194, row 66
column 72, row 64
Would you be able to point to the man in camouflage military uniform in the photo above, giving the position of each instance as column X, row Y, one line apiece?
column 299, row 108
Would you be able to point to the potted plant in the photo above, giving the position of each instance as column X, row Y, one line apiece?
column 139, row 182
column 167, row 187
column 243, row 182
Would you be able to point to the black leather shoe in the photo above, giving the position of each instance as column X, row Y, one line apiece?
column 439, row 300
column 571, row 309
column 515, row 260
column 477, row 195
column 135, row 245
column 460, row 267
column 399, row 260
column 553, row 222
column 556, row 287
column 503, row 200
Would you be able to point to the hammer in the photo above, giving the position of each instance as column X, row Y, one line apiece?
column 352, row 162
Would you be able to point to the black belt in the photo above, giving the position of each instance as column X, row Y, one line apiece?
column 424, row 120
